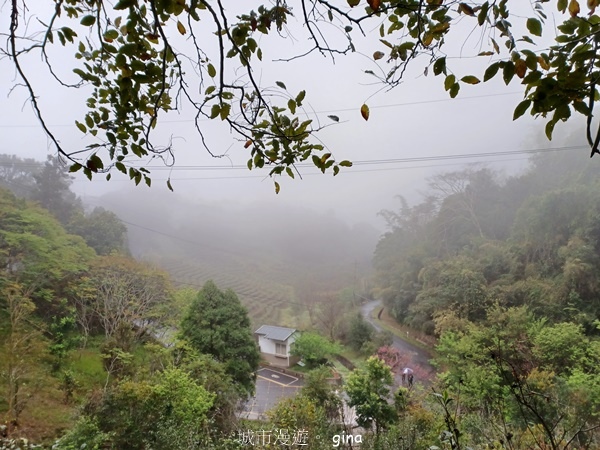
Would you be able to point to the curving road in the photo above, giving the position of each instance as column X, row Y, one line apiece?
column 419, row 357
column 272, row 386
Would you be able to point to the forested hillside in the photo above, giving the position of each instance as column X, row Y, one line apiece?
column 504, row 272
column 83, row 350
column 280, row 260
column 477, row 241
column 49, row 186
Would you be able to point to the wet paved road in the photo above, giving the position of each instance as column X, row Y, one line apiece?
column 419, row 357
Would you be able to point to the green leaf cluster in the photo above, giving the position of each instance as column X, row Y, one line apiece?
column 314, row 349
column 168, row 412
column 368, row 389
column 217, row 324
column 524, row 369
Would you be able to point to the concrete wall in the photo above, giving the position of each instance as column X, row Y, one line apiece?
column 266, row 345
column 269, row 346
column 269, row 353
column 274, row 360
column 291, row 340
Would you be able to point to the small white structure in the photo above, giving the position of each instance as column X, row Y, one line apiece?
column 275, row 344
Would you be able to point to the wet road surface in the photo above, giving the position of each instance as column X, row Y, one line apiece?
column 419, row 357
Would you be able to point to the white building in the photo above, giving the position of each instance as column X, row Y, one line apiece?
column 275, row 344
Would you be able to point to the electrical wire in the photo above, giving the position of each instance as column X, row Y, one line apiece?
column 358, row 162
column 390, row 105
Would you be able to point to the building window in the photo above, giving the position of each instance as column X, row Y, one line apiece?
column 280, row 349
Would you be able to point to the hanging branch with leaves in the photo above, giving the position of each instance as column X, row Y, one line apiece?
column 128, row 56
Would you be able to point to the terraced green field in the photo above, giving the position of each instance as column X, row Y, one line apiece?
column 268, row 300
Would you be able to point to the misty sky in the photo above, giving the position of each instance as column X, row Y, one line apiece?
column 417, row 119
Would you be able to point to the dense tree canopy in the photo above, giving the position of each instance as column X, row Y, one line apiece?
column 512, row 365
column 37, row 253
column 131, row 389
column 502, row 271
column 368, row 390
column 531, row 239
column 49, row 184
column 167, row 412
column 133, row 62
column 39, row 264
column 52, row 190
column 16, row 174
column 101, row 229
column 217, row 324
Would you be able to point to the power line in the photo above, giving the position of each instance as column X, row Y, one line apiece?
column 375, row 162
column 359, row 162
column 371, row 162
column 469, row 155
column 390, row 105
column 391, row 160
column 350, row 172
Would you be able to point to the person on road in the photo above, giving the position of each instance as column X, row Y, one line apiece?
column 407, row 373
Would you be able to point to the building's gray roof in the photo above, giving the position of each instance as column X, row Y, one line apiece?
column 275, row 333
